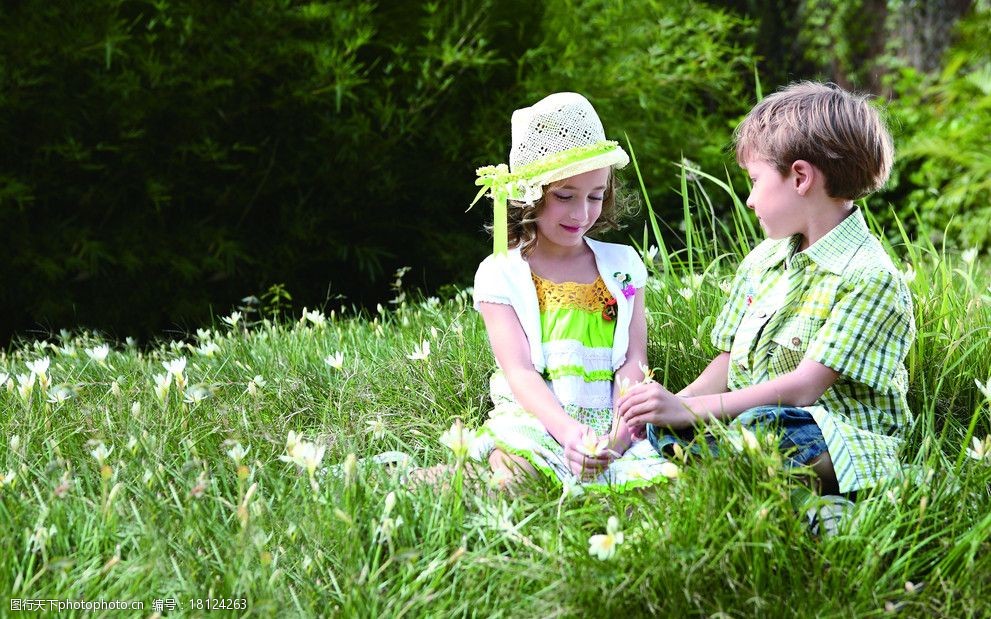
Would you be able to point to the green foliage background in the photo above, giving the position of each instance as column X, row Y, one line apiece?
column 164, row 158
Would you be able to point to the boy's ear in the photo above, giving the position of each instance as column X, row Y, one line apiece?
column 804, row 175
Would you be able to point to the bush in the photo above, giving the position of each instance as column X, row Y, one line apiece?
column 942, row 124
column 165, row 156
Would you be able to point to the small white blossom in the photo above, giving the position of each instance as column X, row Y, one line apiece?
column 237, row 453
column 197, row 393
column 60, row 393
column 101, row 453
column 652, row 252
column 162, row 384
column 985, row 387
column 458, row 439
column 969, row 255
column 208, row 349
column 39, row 367
column 98, row 353
column 981, row 449
column 25, row 385
column 687, row 293
column 335, row 360
column 604, row 546
column 377, row 427
column 316, row 318
column 420, row 352
column 233, row 319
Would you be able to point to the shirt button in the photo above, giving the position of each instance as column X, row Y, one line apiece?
column 796, row 341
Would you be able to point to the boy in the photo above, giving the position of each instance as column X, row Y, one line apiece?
column 819, row 321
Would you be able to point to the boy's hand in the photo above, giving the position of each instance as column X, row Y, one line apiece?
column 587, row 454
column 652, row 403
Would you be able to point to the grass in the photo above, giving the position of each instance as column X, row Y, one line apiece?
column 169, row 514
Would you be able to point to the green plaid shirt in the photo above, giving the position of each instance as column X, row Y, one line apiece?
column 842, row 303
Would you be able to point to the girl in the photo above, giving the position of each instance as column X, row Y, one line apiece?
column 564, row 313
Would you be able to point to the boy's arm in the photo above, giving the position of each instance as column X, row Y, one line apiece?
column 654, row 404
column 713, row 379
column 512, row 350
column 636, row 357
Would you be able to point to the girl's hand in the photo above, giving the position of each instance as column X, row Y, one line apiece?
column 652, row 403
column 586, row 454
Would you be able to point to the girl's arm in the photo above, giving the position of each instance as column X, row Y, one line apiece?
column 713, row 378
column 512, row 350
column 636, row 357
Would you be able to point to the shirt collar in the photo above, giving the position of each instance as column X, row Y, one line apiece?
column 832, row 252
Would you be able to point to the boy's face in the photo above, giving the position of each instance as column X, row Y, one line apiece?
column 773, row 198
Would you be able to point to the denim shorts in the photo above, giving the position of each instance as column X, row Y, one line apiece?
column 801, row 439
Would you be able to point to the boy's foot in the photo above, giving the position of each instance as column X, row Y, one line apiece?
column 826, row 514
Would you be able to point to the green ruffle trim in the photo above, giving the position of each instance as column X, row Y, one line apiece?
column 577, row 370
column 548, row 471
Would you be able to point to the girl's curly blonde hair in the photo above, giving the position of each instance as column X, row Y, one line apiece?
column 617, row 205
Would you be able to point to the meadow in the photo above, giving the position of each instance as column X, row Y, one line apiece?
column 234, row 468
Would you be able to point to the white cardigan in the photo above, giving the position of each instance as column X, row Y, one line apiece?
column 507, row 280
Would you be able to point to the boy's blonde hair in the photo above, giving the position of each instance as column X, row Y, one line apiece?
column 522, row 218
column 838, row 132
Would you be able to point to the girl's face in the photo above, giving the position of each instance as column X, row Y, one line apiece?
column 571, row 207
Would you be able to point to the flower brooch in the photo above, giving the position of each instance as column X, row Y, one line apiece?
column 611, row 309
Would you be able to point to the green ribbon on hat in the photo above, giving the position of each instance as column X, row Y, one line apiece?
column 502, row 185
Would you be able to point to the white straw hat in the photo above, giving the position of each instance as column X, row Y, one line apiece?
column 556, row 138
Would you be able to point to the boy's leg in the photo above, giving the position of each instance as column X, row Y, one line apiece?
column 801, row 440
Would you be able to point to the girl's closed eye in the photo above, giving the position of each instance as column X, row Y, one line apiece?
column 563, row 196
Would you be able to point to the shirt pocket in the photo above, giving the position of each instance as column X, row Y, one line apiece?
column 791, row 340
column 745, row 338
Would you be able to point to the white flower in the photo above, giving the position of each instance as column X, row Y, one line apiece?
column 335, row 360
column 208, row 349
column 197, row 393
column 15, row 442
column 39, row 367
column 648, row 372
column 59, row 394
column 594, row 445
column 377, row 427
column 624, row 385
column 98, row 353
column 101, row 453
column 433, row 302
column 458, row 439
column 7, row 479
column 315, row 317
column 3, row 377
column 132, row 444
column 306, row 456
column 981, row 450
column 670, row 470
column 652, row 252
column 750, row 442
column 162, row 384
column 725, row 285
column 25, row 385
column 237, row 453
column 420, row 352
column 255, row 384
column 67, row 350
column 604, row 546
column 969, row 255
column 909, row 274
column 233, row 319
column 985, row 388
column 688, row 293
column 136, row 409
column 175, row 367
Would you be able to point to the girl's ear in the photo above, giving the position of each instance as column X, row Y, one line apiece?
column 804, row 174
